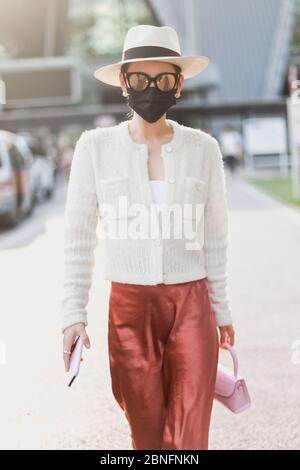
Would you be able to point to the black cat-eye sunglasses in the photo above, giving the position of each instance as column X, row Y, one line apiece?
column 140, row 81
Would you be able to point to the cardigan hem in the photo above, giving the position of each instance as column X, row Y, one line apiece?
column 153, row 280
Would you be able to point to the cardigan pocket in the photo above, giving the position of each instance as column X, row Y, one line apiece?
column 114, row 197
column 194, row 190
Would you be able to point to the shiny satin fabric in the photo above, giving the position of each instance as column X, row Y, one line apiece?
column 163, row 354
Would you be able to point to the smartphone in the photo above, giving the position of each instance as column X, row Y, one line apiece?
column 75, row 360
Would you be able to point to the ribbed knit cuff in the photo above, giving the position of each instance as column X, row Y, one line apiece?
column 223, row 320
column 78, row 316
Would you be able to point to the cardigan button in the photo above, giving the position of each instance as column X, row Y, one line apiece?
column 171, row 179
column 169, row 148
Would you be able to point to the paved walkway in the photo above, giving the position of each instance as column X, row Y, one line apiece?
column 264, row 273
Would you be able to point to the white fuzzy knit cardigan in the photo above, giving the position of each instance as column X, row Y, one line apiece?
column 108, row 164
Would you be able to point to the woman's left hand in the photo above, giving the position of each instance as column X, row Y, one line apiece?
column 226, row 335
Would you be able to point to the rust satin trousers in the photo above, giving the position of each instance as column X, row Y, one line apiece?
column 163, row 353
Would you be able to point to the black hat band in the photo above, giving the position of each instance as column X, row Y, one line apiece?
column 148, row 51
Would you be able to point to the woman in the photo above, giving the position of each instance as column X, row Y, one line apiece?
column 168, row 296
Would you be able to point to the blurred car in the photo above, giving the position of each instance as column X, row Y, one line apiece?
column 44, row 166
column 17, row 183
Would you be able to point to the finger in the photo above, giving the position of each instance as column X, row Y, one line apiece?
column 66, row 361
column 85, row 339
column 67, row 345
column 222, row 338
column 67, row 357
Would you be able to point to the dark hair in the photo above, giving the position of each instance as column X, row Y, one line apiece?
column 124, row 68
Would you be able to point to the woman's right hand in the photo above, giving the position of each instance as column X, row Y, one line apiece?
column 70, row 334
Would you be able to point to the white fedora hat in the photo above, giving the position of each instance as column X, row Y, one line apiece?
column 148, row 42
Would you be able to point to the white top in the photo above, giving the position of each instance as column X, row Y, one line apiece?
column 108, row 164
column 159, row 191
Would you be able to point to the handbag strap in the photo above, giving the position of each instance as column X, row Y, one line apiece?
column 232, row 351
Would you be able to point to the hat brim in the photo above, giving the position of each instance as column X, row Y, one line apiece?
column 190, row 65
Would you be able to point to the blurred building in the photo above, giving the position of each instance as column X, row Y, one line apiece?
column 47, row 62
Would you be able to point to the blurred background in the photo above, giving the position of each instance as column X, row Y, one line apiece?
column 247, row 99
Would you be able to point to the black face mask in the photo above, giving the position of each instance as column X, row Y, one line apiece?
column 152, row 103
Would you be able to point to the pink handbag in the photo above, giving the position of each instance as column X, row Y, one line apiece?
column 230, row 388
